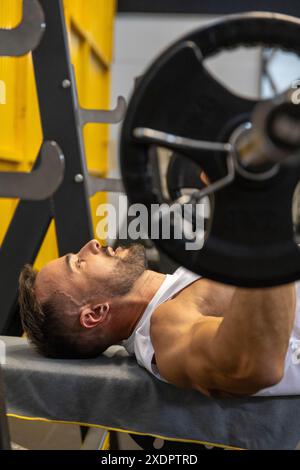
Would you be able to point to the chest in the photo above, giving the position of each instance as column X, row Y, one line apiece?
column 209, row 298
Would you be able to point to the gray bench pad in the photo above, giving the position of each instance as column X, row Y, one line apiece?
column 114, row 392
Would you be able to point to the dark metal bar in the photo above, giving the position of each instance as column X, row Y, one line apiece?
column 208, row 7
column 113, row 441
column 70, row 205
column 83, row 433
column 20, row 246
column 58, row 108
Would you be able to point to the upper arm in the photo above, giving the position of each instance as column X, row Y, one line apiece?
column 186, row 354
column 182, row 345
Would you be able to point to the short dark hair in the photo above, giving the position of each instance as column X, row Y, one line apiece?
column 45, row 327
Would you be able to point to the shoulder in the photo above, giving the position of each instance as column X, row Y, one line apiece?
column 163, row 321
column 170, row 331
column 160, row 313
column 168, row 340
column 173, row 315
column 180, row 336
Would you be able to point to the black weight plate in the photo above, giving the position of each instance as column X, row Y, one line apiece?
column 182, row 173
column 251, row 238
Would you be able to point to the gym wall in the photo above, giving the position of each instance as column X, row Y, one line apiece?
column 91, row 41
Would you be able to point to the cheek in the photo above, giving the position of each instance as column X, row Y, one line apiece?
column 75, row 288
column 101, row 266
column 99, row 269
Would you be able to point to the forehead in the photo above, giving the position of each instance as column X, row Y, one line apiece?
column 51, row 277
column 53, row 268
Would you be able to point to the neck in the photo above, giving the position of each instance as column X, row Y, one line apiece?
column 141, row 295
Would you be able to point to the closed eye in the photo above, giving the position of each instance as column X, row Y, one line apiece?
column 78, row 262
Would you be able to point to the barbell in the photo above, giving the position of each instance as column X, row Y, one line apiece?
column 249, row 150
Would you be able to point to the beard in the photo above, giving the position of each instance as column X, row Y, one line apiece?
column 128, row 269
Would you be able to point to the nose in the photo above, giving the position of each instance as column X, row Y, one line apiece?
column 92, row 247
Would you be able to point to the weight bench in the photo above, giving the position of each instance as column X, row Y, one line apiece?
column 114, row 393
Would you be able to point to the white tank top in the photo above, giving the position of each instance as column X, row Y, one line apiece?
column 140, row 345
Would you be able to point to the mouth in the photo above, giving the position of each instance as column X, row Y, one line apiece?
column 109, row 251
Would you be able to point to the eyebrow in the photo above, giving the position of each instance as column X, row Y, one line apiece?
column 68, row 261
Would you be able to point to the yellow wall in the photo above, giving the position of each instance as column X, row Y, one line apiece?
column 90, row 28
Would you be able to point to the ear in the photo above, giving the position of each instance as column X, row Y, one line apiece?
column 93, row 316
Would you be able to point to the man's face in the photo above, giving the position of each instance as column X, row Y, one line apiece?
column 94, row 273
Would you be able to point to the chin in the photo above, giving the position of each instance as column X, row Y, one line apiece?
column 134, row 254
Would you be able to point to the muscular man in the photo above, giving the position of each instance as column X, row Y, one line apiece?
column 187, row 330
